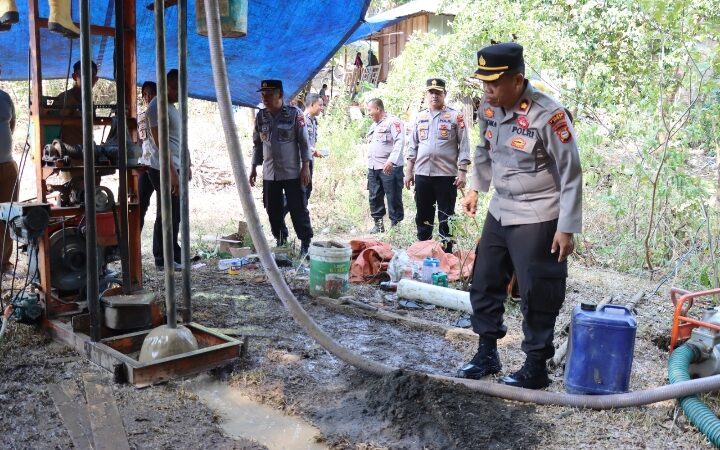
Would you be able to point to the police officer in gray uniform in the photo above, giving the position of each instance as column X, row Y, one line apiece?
column 280, row 144
column 528, row 152
column 314, row 105
column 386, row 138
column 437, row 162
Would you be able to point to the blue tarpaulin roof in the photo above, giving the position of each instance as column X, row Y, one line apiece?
column 287, row 40
column 392, row 16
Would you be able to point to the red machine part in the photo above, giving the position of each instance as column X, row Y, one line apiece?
column 682, row 323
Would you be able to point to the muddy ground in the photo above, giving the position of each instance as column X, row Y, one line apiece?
column 287, row 370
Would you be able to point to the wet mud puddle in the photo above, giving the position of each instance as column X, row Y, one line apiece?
column 242, row 417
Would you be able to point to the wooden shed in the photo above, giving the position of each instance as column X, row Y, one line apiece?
column 419, row 16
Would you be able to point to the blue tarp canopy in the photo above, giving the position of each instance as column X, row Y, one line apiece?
column 287, row 40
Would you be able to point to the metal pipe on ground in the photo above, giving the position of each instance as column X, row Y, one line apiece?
column 222, row 90
column 91, row 262
column 170, row 339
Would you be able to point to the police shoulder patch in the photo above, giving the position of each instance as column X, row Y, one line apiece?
column 461, row 120
column 556, row 118
column 563, row 133
column 301, row 120
column 397, row 126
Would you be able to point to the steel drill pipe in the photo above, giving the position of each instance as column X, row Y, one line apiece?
column 92, row 285
column 184, row 161
column 165, row 164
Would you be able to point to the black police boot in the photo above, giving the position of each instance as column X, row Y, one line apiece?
column 448, row 247
column 532, row 375
column 304, row 247
column 379, row 227
column 485, row 362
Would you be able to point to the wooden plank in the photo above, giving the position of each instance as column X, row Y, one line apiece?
column 348, row 306
column 184, row 365
column 74, row 393
column 127, row 343
column 246, row 330
column 72, row 414
column 98, row 30
column 105, row 421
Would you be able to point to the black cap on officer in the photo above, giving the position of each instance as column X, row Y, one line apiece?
column 494, row 60
column 267, row 85
column 436, row 84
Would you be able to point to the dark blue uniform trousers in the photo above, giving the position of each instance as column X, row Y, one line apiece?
column 524, row 249
column 430, row 191
column 381, row 185
column 280, row 196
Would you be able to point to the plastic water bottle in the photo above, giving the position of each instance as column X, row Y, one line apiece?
column 225, row 264
column 430, row 266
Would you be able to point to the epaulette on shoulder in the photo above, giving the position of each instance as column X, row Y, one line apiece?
column 545, row 101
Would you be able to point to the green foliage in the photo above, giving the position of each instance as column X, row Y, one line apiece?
column 339, row 181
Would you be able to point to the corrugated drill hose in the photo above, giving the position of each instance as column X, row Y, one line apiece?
column 222, row 90
column 695, row 409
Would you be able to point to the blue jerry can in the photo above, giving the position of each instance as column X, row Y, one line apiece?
column 601, row 347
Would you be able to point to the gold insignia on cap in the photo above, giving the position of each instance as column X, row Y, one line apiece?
column 434, row 82
column 481, row 61
column 264, row 84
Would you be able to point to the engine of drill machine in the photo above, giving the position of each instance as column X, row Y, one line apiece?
column 26, row 221
column 72, row 193
column 68, row 254
column 67, row 247
column 707, row 341
column 62, row 155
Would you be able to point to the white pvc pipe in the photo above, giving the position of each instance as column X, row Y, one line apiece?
column 436, row 295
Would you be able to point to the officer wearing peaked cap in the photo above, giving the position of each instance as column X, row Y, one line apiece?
column 528, row 152
column 437, row 162
column 280, row 144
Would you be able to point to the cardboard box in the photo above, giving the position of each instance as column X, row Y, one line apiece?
column 240, row 252
column 226, row 243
